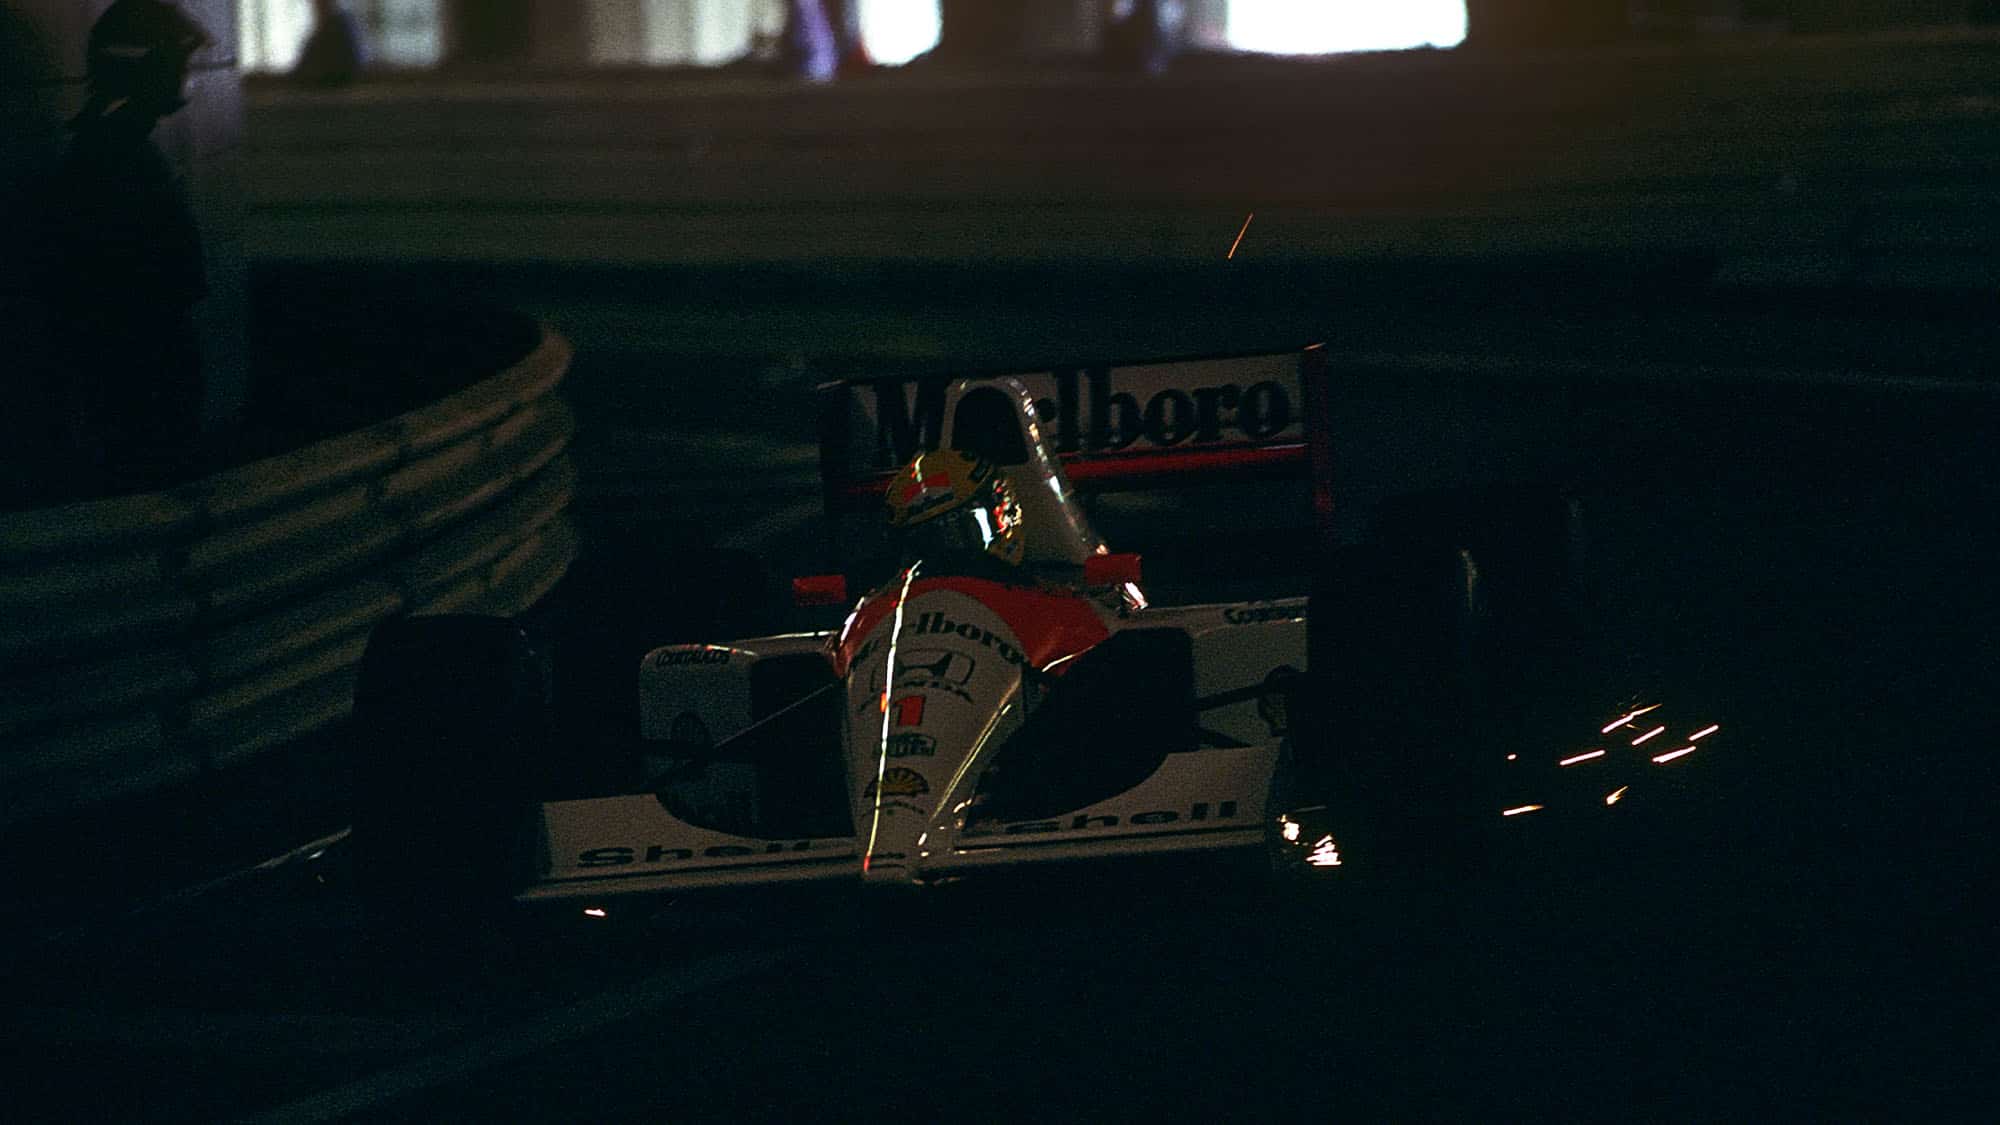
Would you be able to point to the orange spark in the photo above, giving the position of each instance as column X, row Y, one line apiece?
column 1672, row 754
column 1581, row 758
column 1656, row 731
column 1628, row 717
column 1231, row 256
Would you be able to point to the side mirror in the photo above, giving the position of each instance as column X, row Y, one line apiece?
column 819, row 590
column 1110, row 570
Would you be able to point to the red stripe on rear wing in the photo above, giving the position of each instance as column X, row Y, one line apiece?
column 1112, row 426
column 1142, row 470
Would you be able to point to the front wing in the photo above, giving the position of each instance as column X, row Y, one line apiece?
column 1202, row 800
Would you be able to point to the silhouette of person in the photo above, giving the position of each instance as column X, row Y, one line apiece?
column 1142, row 35
column 121, row 266
column 333, row 54
column 811, row 41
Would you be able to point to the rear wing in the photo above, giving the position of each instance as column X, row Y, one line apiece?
column 1112, row 426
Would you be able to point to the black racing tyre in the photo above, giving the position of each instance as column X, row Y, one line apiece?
column 1299, row 870
column 1427, row 642
column 450, row 719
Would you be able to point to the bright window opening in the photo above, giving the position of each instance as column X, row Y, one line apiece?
column 896, row 31
column 1324, row 27
column 271, row 33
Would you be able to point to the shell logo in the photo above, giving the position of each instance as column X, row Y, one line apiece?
column 899, row 781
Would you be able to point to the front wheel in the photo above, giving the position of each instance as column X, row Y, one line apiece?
column 450, row 716
column 1301, row 869
column 1431, row 645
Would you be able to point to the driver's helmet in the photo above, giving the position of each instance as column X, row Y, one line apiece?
column 945, row 503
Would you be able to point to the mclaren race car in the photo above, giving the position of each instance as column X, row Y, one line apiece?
column 1002, row 692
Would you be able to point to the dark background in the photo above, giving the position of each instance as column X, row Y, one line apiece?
column 1766, row 265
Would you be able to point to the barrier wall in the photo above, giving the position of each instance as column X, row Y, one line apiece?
column 145, row 639
column 1793, row 163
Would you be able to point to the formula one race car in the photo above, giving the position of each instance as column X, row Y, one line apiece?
column 1003, row 695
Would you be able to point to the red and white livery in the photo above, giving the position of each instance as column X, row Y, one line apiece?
column 1035, row 711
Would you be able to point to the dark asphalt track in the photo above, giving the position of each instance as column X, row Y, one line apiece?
column 1697, row 982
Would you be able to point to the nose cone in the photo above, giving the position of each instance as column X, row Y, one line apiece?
column 930, row 689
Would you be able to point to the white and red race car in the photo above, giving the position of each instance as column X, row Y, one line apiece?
column 960, row 719
column 973, row 715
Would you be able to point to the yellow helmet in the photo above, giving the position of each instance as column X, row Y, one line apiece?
column 945, row 502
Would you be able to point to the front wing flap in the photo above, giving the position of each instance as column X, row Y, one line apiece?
column 617, row 845
column 1198, row 801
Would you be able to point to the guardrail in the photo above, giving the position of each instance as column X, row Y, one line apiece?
column 145, row 639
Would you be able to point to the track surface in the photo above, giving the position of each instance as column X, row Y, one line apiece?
column 1686, row 985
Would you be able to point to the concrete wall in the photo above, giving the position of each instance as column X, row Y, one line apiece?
column 1505, row 23
column 1811, row 163
column 41, row 88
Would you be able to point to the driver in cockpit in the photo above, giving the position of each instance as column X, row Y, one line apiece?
column 953, row 511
